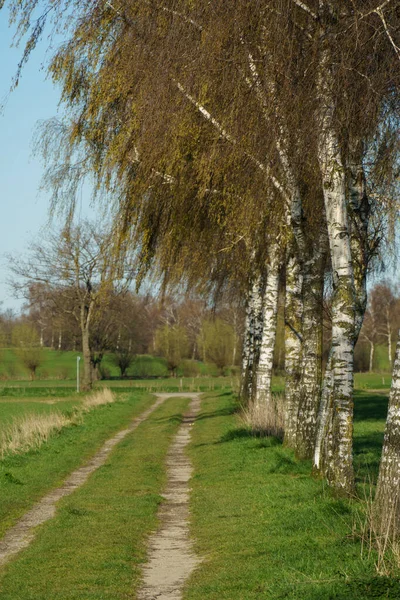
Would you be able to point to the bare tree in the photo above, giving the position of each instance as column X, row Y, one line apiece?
column 78, row 271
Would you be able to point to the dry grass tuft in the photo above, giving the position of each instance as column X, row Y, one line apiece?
column 266, row 420
column 381, row 544
column 30, row 432
column 97, row 398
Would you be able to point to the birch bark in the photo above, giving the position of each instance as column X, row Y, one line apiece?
column 293, row 341
column 387, row 499
column 340, row 473
column 253, row 332
column 311, row 362
column 359, row 211
column 263, row 373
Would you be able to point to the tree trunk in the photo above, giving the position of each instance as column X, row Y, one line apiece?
column 387, row 499
column 340, row 473
column 323, row 444
column 311, row 365
column 263, row 373
column 87, row 381
column 371, row 355
column 60, row 339
column 293, row 342
column 390, row 343
column 253, row 328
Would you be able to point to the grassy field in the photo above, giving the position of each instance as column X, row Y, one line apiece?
column 61, row 365
column 25, row 478
column 265, row 528
column 95, row 546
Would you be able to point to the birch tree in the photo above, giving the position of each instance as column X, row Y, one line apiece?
column 256, row 105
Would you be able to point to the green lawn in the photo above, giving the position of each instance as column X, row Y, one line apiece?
column 95, row 547
column 61, row 365
column 265, row 527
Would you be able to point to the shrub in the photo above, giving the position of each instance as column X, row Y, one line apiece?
column 189, row 368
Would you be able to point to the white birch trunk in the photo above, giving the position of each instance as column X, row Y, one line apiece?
column 359, row 210
column 387, row 498
column 323, row 444
column 371, row 356
column 263, row 373
column 293, row 342
column 340, row 473
column 390, row 343
column 311, row 366
column 253, row 329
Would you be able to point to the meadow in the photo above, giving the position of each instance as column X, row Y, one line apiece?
column 263, row 525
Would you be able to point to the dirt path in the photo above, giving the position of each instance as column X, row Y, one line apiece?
column 21, row 535
column 171, row 557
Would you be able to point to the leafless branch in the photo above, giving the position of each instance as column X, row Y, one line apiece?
column 306, row 8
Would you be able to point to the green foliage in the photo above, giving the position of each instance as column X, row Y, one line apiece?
column 123, row 360
column 189, row 368
column 149, row 366
column 216, row 342
column 172, row 344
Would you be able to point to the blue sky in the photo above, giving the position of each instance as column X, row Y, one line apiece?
column 24, row 210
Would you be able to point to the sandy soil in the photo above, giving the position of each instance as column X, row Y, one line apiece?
column 171, row 556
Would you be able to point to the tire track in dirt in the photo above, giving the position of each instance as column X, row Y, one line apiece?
column 23, row 532
column 171, row 556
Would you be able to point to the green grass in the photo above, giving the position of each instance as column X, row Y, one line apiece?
column 25, row 478
column 61, row 365
column 95, row 546
column 265, row 527
column 372, row 381
column 12, row 408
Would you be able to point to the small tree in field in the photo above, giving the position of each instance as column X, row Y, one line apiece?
column 217, row 340
column 26, row 340
column 123, row 359
column 172, row 344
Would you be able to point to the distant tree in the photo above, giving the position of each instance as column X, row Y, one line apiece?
column 26, row 340
column 217, row 339
column 172, row 344
column 383, row 301
column 123, row 359
column 79, row 273
column 370, row 333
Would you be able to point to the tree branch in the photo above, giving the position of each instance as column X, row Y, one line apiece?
column 229, row 138
column 306, row 8
column 380, row 14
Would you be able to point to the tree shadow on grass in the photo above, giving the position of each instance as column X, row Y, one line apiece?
column 221, row 412
column 368, row 407
column 246, row 433
column 367, row 455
